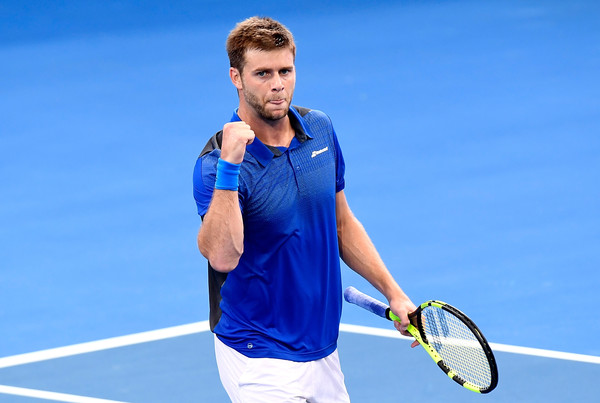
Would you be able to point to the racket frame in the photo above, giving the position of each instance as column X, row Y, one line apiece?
column 415, row 328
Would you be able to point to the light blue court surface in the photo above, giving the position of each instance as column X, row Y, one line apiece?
column 471, row 132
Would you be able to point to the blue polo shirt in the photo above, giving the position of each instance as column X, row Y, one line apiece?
column 283, row 300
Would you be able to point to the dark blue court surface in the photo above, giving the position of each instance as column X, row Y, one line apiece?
column 377, row 369
column 471, row 133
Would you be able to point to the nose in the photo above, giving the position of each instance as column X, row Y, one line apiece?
column 277, row 84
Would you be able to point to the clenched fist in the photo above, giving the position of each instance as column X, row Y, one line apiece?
column 236, row 136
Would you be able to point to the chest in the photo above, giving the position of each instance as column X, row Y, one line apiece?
column 291, row 189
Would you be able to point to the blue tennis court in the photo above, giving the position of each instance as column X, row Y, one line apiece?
column 471, row 137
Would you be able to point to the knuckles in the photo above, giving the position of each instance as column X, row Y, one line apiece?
column 239, row 130
column 236, row 136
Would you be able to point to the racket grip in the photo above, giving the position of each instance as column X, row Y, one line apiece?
column 356, row 297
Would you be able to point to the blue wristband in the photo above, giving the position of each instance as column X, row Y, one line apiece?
column 227, row 175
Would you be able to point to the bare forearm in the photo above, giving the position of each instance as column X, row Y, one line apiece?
column 359, row 253
column 221, row 236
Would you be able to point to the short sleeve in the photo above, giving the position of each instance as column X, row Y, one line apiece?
column 205, row 174
column 340, row 166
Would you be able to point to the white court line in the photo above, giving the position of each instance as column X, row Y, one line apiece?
column 199, row 327
column 58, row 397
column 99, row 345
column 344, row 327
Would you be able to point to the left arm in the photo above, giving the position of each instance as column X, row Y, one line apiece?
column 359, row 253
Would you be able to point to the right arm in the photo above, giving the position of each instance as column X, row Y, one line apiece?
column 221, row 236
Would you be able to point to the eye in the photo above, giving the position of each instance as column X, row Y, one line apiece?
column 261, row 74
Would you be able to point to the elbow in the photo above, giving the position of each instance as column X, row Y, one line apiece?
column 224, row 264
column 220, row 260
column 202, row 245
column 223, row 253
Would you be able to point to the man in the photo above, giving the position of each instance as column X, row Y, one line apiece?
column 270, row 189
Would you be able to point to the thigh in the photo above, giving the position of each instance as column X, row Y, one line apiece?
column 231, row 365
column 328, row 381
column 273, row 380
column 250, row 380
column 260, row 380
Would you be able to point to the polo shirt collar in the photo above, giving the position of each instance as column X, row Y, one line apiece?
column 260, row 151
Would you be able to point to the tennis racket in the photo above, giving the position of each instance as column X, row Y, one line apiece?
column 448, row 335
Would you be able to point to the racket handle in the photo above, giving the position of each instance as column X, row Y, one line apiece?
column 367, row 302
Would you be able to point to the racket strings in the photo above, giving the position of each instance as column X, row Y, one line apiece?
column 459, row 348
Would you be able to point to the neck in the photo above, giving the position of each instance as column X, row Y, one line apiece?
column 271, row 132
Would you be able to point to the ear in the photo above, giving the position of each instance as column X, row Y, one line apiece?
column 236, row 77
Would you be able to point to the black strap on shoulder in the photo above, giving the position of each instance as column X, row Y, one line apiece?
column 214, row 143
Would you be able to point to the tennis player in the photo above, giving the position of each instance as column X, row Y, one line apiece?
column 270, row 190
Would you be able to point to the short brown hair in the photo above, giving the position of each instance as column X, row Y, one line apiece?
column 259, row 33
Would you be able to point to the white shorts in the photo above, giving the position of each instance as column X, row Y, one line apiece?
column 249, row 380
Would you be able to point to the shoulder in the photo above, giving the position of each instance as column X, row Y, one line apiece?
column 206, row 164
column 214, row 143
column 313, row 120
column 311, row 114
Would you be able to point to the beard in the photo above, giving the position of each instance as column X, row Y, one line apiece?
column 260, row 107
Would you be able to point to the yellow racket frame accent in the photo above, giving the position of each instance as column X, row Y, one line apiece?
column 414, row 331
